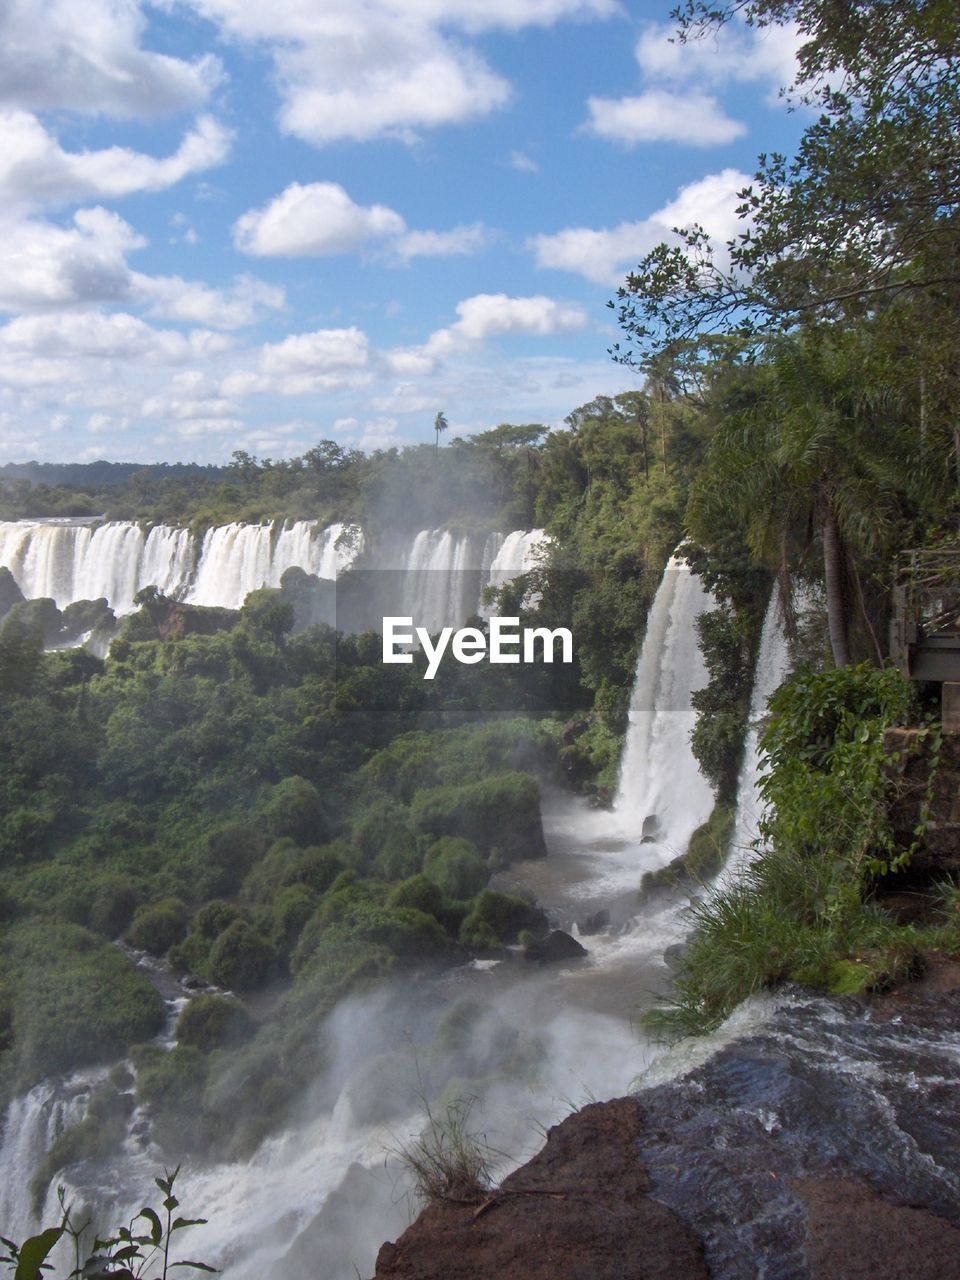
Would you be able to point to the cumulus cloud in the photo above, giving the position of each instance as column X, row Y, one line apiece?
column 172, row 298
column 99, row 335
column 488, row 315
column 36, row 171
column 604, row 254
column 386, row 68
column 660, row 115
column 738, row 53
column 42, row 265
column 323, row 360
column 674, row 105
column 86, row 56
column 321, row 218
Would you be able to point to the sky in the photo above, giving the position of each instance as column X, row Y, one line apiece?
column 256, row 224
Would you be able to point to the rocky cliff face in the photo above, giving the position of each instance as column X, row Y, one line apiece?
column 824, row 1147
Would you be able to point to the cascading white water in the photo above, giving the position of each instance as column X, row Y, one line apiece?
column 772, row 667
column 661, row 791
column 445, row 573
column 33, row 1123
column 236, row 559
column 68, row 562
column 578, row 1015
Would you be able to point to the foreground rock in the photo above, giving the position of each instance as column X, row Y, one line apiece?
column 824, row 1146
column 580, row 1209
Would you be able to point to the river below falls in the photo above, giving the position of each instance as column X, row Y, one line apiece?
column 323, row 1196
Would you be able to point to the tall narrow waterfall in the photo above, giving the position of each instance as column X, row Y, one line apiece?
column 661, row 791
column 773, row 666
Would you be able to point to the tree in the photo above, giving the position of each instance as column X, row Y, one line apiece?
column 809, row 443
column 867, row 214
column 440, row 424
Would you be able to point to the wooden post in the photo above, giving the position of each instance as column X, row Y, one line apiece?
column 950, row 707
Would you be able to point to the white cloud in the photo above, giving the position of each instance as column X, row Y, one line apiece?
column 604, row 255
column 317, row 352
column 385, row 68
column 660, row 115
column 458, row 242
column 324, row 360
column 492, row 315
column 42, row 265
column 523, row 163
column 765, row 55
column 321, row 218
column 98, row 335
column 173, row 298
column 36, row 171
column 86, row 56
column 674, row 105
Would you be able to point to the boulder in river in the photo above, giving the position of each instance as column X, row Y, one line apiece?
column 556, row 946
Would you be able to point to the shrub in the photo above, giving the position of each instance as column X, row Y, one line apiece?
column 501, row 811
column 155, row 928
column 501, row 915
column 293, row 808
column 213, row 917
column 211, row 1022
column 242, row 958
column 386, row 841
column 453, row 864
column 285, row 863
column 291, row 909
column 74, row 998
column 418, row 892
column 449, row 1160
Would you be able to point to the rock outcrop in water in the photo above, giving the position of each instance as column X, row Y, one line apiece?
column 825, row 1146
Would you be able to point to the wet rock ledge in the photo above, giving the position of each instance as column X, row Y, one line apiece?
column 825, row 1146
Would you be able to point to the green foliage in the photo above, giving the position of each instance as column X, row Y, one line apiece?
column 728, row 642
column 131, row 1253
column 500, row 812
column 293, row 808
column 242, row 958
column 213, row 1022
column 418, row 892
column 155, row 928
column 701, row 860
column 74, row 999
column 499, row 917
column 452, row 863
column 801, row 910
column 828, row 783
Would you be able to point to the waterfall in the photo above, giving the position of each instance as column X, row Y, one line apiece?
column 661, row 793
column 773, row 667
column 70, row 562
column 34, row 1121
column 443, row 573
column 236, row 559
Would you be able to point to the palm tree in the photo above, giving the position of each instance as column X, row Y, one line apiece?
column 809, row 446
column 440, row 424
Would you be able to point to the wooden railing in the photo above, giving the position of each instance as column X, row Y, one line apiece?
column 925, row 628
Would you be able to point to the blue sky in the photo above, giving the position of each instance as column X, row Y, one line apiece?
column 232, row 224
